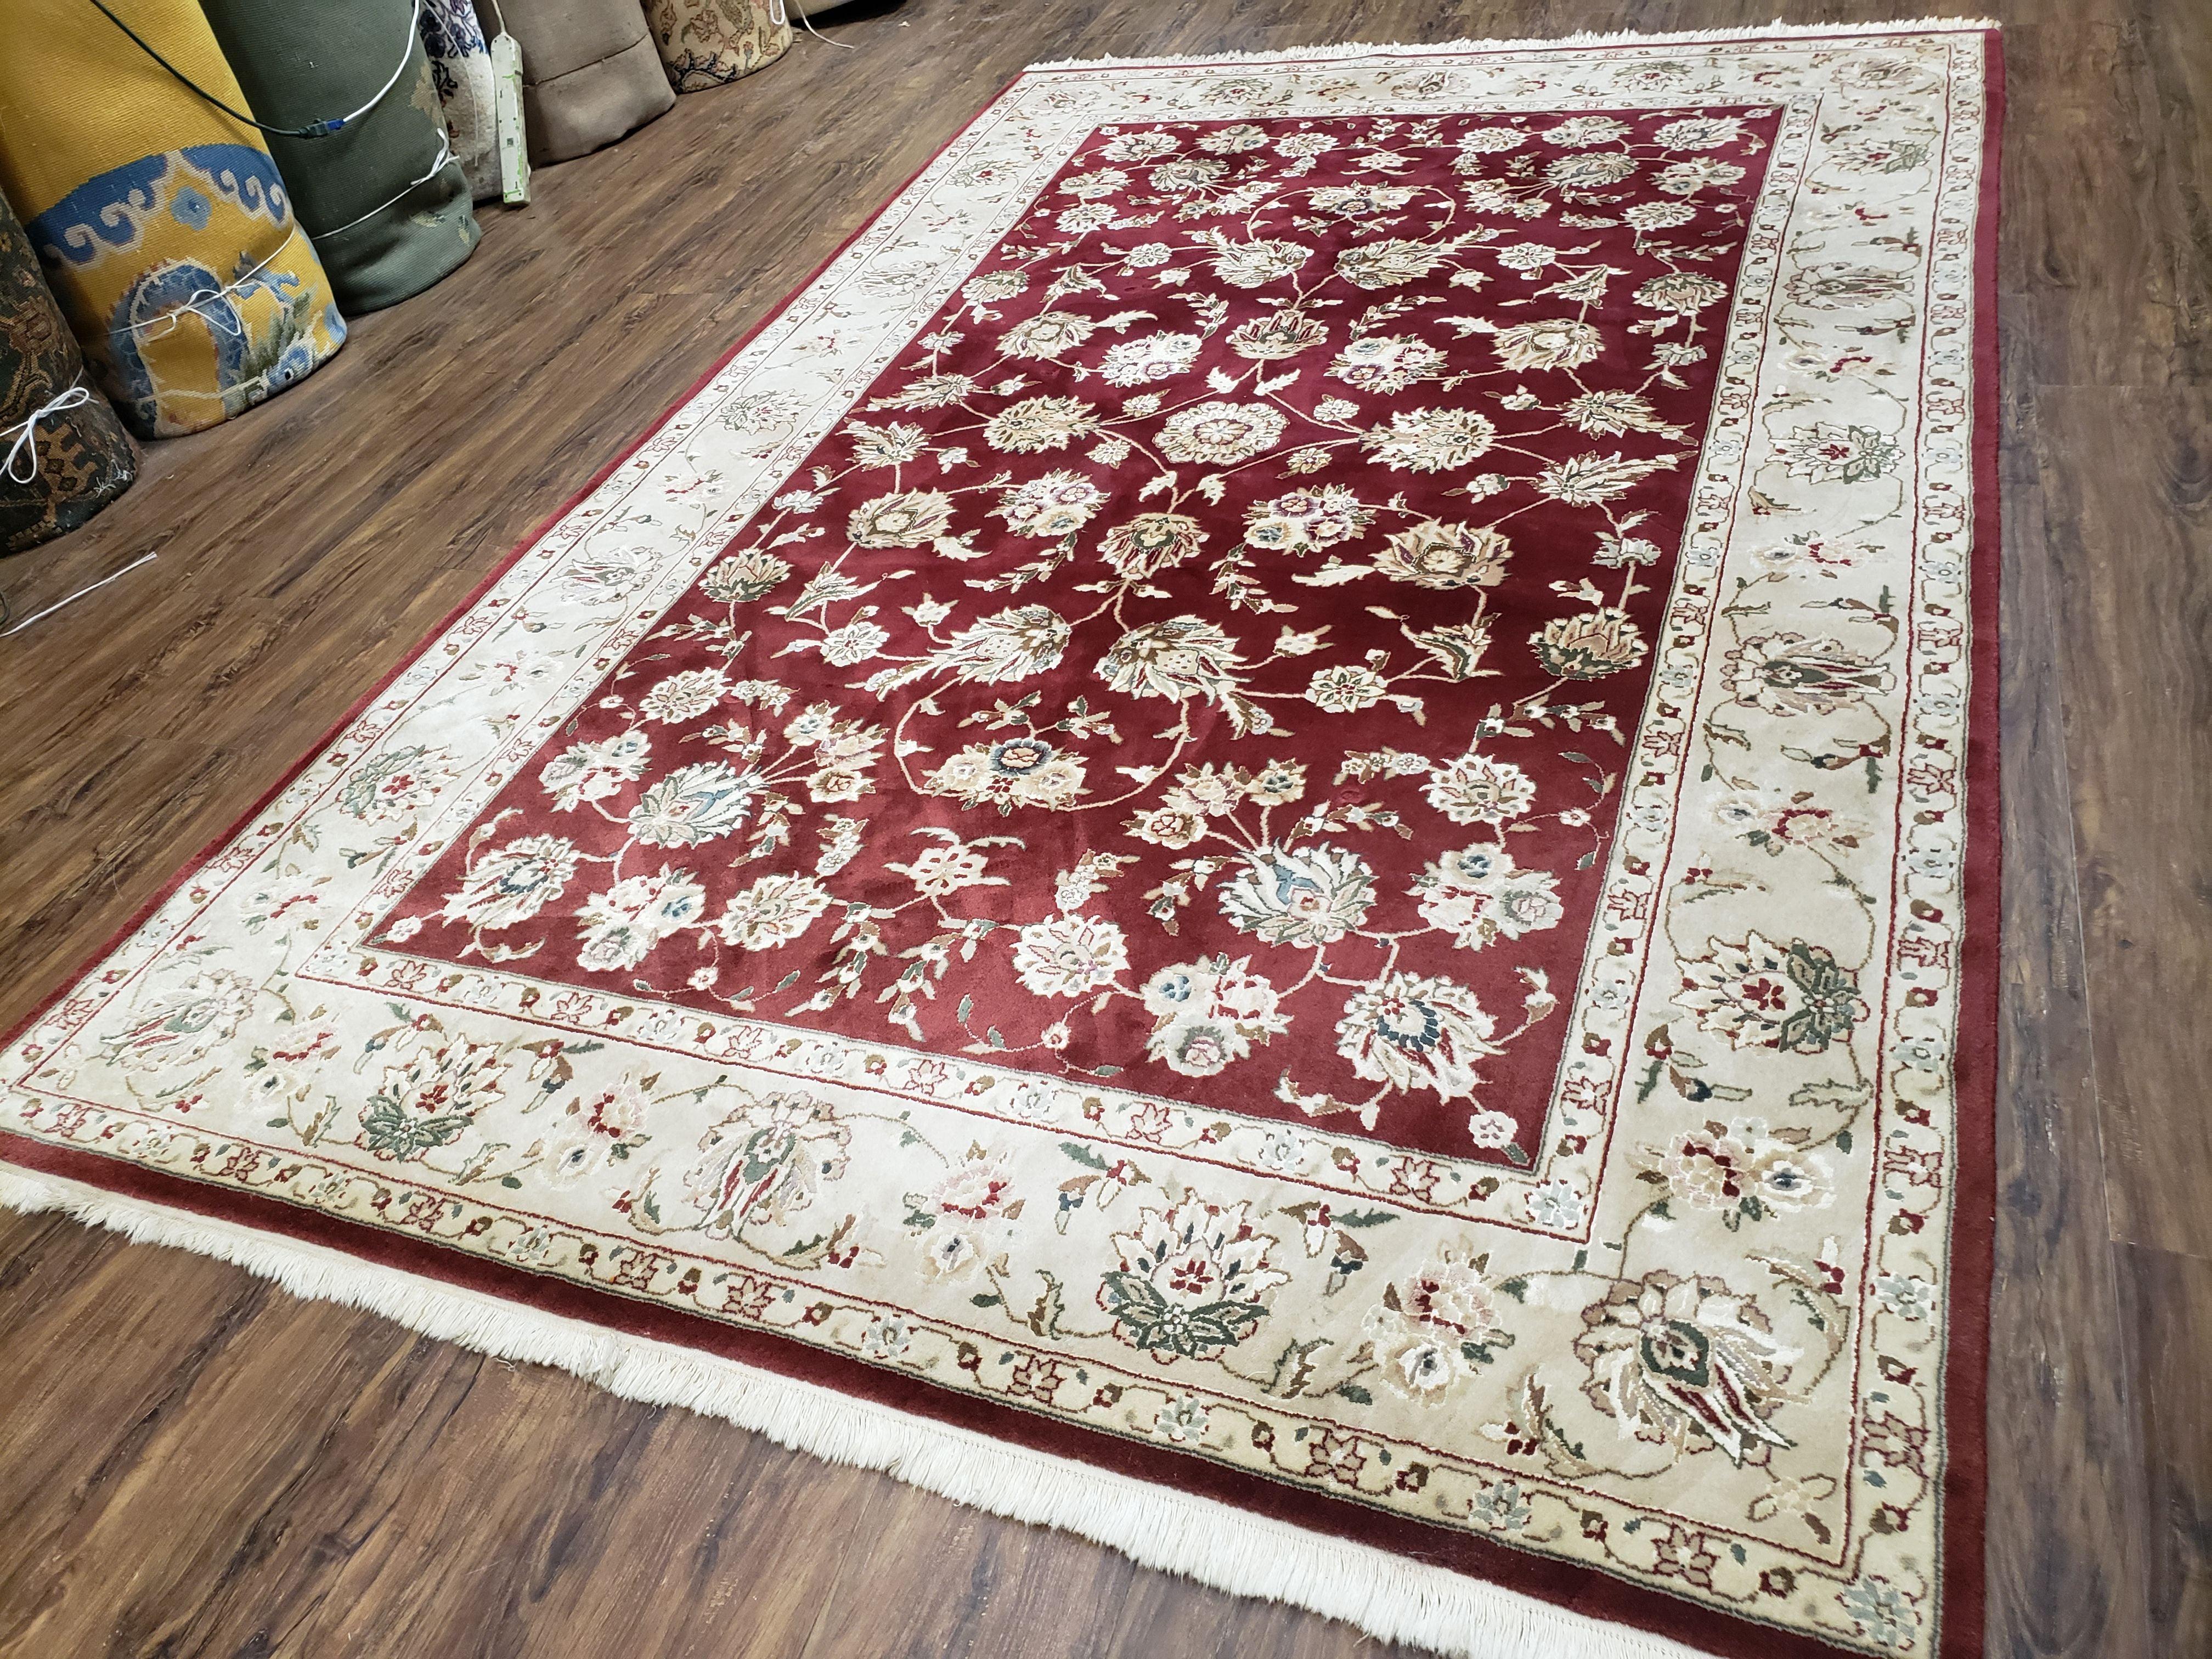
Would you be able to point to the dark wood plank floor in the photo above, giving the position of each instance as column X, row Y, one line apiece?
column 194, row 1464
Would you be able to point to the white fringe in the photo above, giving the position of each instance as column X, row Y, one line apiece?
column 1587, row 38
column 1385, row 1595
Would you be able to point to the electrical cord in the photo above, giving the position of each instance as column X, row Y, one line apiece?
column 314, row 129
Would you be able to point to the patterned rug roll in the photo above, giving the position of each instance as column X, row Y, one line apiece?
column 63, row 455
column 590, row 74
column 385, row 200
column 164, row 229
column 710, row 43
column 460, row 65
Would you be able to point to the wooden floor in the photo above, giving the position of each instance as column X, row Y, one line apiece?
column 193, row 1463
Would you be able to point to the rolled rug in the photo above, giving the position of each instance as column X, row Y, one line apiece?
column 590, row 74
column 63, row 455
column 710, row 43
column 461, row 66
column 161, row 223
column 384, row 198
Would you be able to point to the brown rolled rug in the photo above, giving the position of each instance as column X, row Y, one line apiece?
column 590, row 72
column 73, row 461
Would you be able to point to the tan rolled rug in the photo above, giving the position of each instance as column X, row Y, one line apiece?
column 591, row 73
column 711, row 43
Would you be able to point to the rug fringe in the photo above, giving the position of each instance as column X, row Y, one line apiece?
column 1585, row 38
column 1229, row 1549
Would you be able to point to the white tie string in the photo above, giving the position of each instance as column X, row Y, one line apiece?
column 25, row 432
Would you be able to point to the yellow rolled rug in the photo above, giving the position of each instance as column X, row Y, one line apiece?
column 710, row 43
column 161, row 222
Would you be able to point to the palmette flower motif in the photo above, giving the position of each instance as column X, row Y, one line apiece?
column 1180, row 658
column 773, row 911
column 1475, row 789
column 1478, row 894
column 1270, row 339
column 1592, row 171
column 1345, row 689
column 905, row 518
column 1305, row 521
column 890, row 446
column 765, row 1161
column 1699, row 132
column 1385, row 363
column 1008, row 644
column 993, row 286
column 1787, row 674
column 593, row 771
column 1648, row 216
column 1022, row 772
column 1430, row 440
column 1684, row 292
column 743, row 578
column 1491, row 140
column 1139, row 146
column 1047, row 334
column 1688, row 178
column 1583, row 131
column 1740, row 1166
column 1444, row 555
column 1415, row 1031
column 1189, row 174
column 1056, row 504
column 1358, row 201
column 1590, row 646
column 694, row 803
column 1389, row 263
column 618, row 928
column 1067, row 956
column 1608, row 414
column 1559, row 342
column 432, row 1099
column 513, row 883
column 1221, row 434
column 1088, row 186
column 684, row 697
column 1040, row 423
column 1758, row 993
column 1154, row 357
column 1193, row 1279
column 1150, row 543
column 1435, row 1329
column 1313, row 896
column 1208, row 1014
column 1683, row 1357
column 1255, row 264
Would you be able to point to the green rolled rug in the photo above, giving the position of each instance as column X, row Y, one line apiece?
column 62, row 456
column 385, row 200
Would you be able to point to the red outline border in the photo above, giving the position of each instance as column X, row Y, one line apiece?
column 1577, row 1587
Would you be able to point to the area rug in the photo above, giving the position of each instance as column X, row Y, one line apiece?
column 1272, row 835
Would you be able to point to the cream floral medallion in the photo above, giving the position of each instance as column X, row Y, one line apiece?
column 1283, row 776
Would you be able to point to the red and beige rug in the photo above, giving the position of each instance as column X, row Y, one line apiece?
column 1272, row 835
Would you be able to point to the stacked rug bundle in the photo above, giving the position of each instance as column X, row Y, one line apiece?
column 384, row 198
column 63, row 455
column 162, row 223
column 461, row 68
